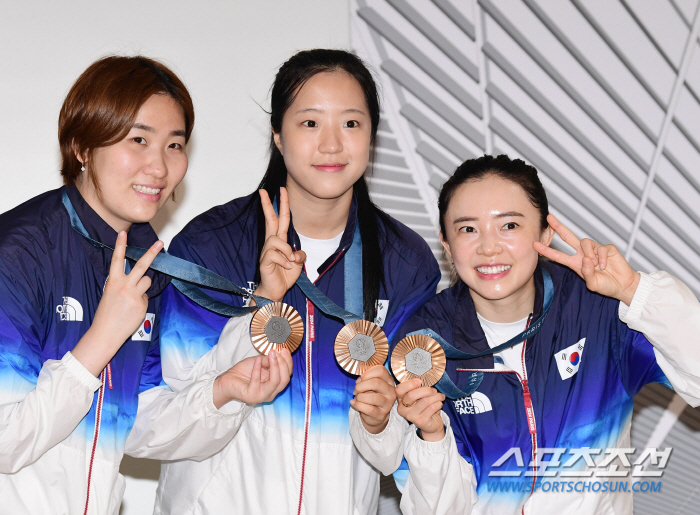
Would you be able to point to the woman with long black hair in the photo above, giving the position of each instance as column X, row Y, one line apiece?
column 295, row 454
column 562, row 346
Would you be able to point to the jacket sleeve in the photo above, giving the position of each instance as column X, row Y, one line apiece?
column 41, row 403
column 384, row 450
column 186, row 424
column 188, row 339
column 667, row 313
column 440, row 481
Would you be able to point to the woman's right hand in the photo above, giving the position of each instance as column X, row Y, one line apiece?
column 280, row 265
column 120, row 311
column 421, row 406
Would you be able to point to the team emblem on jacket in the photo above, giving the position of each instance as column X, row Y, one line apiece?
column 70, row 310
column 144, row 332
column 568, row 360
column 473, row 404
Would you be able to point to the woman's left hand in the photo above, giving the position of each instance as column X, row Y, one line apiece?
column 603, row 267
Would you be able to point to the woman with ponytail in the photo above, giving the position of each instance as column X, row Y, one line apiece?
column 295, row 454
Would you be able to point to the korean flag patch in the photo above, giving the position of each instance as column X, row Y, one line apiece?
column 569, row 359
column 144, row 332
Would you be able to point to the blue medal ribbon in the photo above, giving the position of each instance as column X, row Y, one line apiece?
column 187, row 277
column 353, row 285
column 445, row 384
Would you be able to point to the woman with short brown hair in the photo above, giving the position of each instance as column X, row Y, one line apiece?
column 80, row 376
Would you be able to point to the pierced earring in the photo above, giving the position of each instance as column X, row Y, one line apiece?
column 82, row 168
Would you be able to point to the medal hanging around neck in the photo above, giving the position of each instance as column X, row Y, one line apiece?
column 422, row 354
column 361, row 344
column 275, row 325
column 418, row 356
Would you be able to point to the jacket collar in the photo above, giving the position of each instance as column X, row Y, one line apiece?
column 468, row 334
column 139, row 235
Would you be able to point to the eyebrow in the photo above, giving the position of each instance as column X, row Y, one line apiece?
column 507, row 214
column 143, row 127
column 314, row 110
column 148, row 128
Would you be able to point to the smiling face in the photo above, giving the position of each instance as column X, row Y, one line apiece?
column 490, row 227
column 325, row 136
column 137, row 174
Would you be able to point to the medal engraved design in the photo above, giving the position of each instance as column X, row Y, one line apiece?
column 361, row 345
column 418, row 356
column 276, row 326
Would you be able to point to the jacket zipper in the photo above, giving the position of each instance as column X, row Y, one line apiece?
column 527, row 403
column 310, row 338
column 98, row 419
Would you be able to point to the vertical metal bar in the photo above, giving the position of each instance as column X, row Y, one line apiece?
column 483, row 78
column 668, row 118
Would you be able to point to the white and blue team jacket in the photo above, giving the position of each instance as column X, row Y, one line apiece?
column 293, row 455
column 62, row 430
column 583, row 369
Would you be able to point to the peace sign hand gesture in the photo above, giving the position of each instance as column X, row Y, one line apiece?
column 280, row 266
column 603, row 267
column 120, row 311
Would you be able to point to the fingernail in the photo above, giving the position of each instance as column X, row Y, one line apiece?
column 273, row 354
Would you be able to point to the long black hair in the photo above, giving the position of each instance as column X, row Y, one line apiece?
column 289, row 80
column 513, row 170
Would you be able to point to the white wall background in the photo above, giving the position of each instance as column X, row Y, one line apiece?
column 227, row 54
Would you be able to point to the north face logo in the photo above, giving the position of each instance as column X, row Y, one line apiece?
column 70, row 310
column 473, row 404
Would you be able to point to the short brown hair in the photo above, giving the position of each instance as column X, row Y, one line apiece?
column 101, row 107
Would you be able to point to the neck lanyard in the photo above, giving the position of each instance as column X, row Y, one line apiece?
column 186, row 276
column 352, row 271
column 445, row 384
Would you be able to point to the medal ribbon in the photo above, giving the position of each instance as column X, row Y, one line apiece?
column 187, row 277
column 445, row 384
column 353, row 279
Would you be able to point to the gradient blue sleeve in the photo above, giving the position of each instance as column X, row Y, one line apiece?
column 637, row 362
column 20, row 344
column 187, row 331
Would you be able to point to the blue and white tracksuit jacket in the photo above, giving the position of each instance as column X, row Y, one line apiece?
column 608, row 352
column 292, row 455
column 60, row 426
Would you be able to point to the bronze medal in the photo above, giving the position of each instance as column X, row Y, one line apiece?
column 361, row 345
column 276, row 326
column 418, row 356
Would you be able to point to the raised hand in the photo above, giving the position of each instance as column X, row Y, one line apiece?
column 254, row 380
column 374, row 397
column 280, row 265
column 421, row 406
column 120, row 311
column 603, row 267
